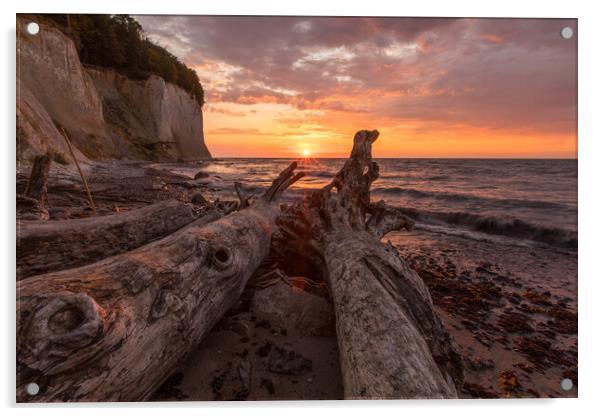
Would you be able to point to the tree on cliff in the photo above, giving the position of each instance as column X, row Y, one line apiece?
column 118, row 42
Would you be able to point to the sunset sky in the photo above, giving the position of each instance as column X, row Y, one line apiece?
column 281, row 86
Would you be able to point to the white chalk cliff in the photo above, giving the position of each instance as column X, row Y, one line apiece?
column 107, row 115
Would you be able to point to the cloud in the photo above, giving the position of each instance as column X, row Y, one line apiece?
column 237, row 131
column 497, row 74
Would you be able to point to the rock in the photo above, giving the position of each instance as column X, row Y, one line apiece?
column 282, row 361
column 106, row 114
column 244, row 376
column 198, row 198
column 54, row 89
column 298, row 311
column 201, row 175
column 239, row 327
column 161, row 117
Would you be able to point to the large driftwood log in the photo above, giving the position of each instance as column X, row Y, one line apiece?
column 391, row 342
column 116, row 329
column 48, row 246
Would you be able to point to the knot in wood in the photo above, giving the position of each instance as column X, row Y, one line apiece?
column 165, row 302
column 222, row 257
column 64, row 323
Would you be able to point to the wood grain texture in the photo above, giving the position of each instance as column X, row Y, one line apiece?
column 47, row 246
column 116, row 329
column 392, row 343
column 36, row 185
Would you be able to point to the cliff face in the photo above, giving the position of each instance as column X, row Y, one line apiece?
column 152, row 116
column 106, row 114
column 52, row 87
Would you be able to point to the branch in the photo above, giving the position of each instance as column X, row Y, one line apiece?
column 385, row 219
column 243, row 200
column 286, row 178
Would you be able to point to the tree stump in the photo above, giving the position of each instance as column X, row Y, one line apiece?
column 31, row 205
column 36, row 186
column 392, row 343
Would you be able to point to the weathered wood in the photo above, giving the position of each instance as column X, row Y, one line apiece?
column 36, row 185
column 243, row 198
column 48, row 246
column 79, row 169
column 391, row 342
column 116, row 329
column 30, row 209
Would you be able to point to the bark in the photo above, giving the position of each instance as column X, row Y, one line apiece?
column 36, row 186
column 48, row 246
column 31, row 205
column 116, row 329
column 391, row 342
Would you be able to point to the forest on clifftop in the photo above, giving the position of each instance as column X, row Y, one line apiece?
column 118, row 42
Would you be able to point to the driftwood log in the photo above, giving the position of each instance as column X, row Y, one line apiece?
column 48, row 246
column 391, row 342
column 116, row 329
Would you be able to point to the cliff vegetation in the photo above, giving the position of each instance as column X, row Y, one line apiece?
column 118, row 42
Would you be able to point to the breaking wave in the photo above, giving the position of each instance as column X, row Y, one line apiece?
column 455, row 197
column 509, row 227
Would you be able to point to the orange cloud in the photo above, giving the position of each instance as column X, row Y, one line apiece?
column 433, row 87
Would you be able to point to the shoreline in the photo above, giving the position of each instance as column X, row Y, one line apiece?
column 510, row 309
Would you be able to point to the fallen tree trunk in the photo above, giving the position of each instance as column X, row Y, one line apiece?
column 391, row 342
column 116, row 329
column 48, row 246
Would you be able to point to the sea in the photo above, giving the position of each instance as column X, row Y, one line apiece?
column 531, row 202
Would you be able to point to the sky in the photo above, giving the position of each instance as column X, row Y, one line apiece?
column 288, row 86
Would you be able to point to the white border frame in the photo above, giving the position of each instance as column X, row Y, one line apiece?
column 590, row 137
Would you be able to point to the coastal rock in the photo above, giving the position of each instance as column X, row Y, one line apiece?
column 155, row 119
column 282, row 361
column 53, row 88
column 290, row 307
column 105, row 114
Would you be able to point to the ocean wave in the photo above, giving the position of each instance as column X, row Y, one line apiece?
column 320, row 173
column 509, row 227
column 449, row 196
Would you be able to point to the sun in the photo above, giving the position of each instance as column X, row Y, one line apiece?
column 306, row 152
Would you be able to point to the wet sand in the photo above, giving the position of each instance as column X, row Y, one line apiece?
column 511, row 309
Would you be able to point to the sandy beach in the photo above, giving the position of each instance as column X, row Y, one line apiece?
column 511, row 309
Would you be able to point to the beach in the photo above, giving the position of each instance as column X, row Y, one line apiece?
column 502, row 274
